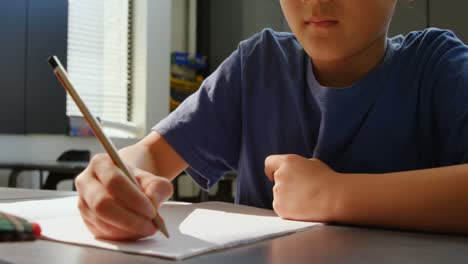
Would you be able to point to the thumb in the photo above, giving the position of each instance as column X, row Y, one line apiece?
column 272, row 164
column 158, row 189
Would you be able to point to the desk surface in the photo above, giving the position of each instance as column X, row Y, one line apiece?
column 324, row 244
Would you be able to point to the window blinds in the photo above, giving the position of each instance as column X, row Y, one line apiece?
column 99, row 57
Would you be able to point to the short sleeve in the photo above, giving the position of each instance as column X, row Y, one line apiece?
column 450, row 71
column 205, row 129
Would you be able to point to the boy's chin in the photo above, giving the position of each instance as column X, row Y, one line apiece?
column 326, row 53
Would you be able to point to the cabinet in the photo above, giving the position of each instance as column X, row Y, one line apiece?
column 12, row 65
column 31, row 99
column 223, row 24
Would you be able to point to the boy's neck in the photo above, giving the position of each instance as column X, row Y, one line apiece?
column 347, row 71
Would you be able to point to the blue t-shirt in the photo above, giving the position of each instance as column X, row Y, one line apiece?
column 410, row 112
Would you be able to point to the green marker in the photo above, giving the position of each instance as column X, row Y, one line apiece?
column 14, row 228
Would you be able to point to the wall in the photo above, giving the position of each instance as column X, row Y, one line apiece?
column 409, row 16
column 235, row 20
column 450, row 14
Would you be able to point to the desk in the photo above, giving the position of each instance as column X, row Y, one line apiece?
column 53, row 166
column 324, row 244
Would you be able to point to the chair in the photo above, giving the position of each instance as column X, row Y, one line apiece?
column 54, row 178
column 223, row 194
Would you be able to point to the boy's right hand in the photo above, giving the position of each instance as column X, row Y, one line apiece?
column 112, row 207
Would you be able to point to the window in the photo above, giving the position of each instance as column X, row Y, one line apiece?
column 99, row 60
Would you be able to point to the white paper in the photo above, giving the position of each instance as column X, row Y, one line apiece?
column 194, row 228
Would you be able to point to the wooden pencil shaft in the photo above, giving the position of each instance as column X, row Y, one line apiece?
column 94, row 124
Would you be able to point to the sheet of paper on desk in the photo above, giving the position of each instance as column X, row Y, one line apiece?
column 194, row 228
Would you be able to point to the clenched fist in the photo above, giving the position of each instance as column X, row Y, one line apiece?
column 304, row 189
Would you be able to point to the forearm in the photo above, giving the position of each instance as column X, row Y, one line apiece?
column 138, row 156
column 153, row 154
column 428, row 200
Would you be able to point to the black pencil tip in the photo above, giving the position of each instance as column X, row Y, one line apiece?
column 53, row 62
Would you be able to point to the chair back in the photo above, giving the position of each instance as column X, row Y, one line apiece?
column 75, row 155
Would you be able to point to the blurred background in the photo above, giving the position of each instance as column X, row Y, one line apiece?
column 133, row 61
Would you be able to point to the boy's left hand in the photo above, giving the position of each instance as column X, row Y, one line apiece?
column 304, row 188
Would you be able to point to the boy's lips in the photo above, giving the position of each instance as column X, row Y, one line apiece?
column 321, row 22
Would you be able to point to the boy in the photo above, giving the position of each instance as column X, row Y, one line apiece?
column 347, row 125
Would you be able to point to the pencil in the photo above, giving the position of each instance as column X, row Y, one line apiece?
column 62, row 76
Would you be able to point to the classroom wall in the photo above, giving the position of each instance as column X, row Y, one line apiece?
column 155, row 99
column 450, row 14
column 409, row 16
column 237, row 20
